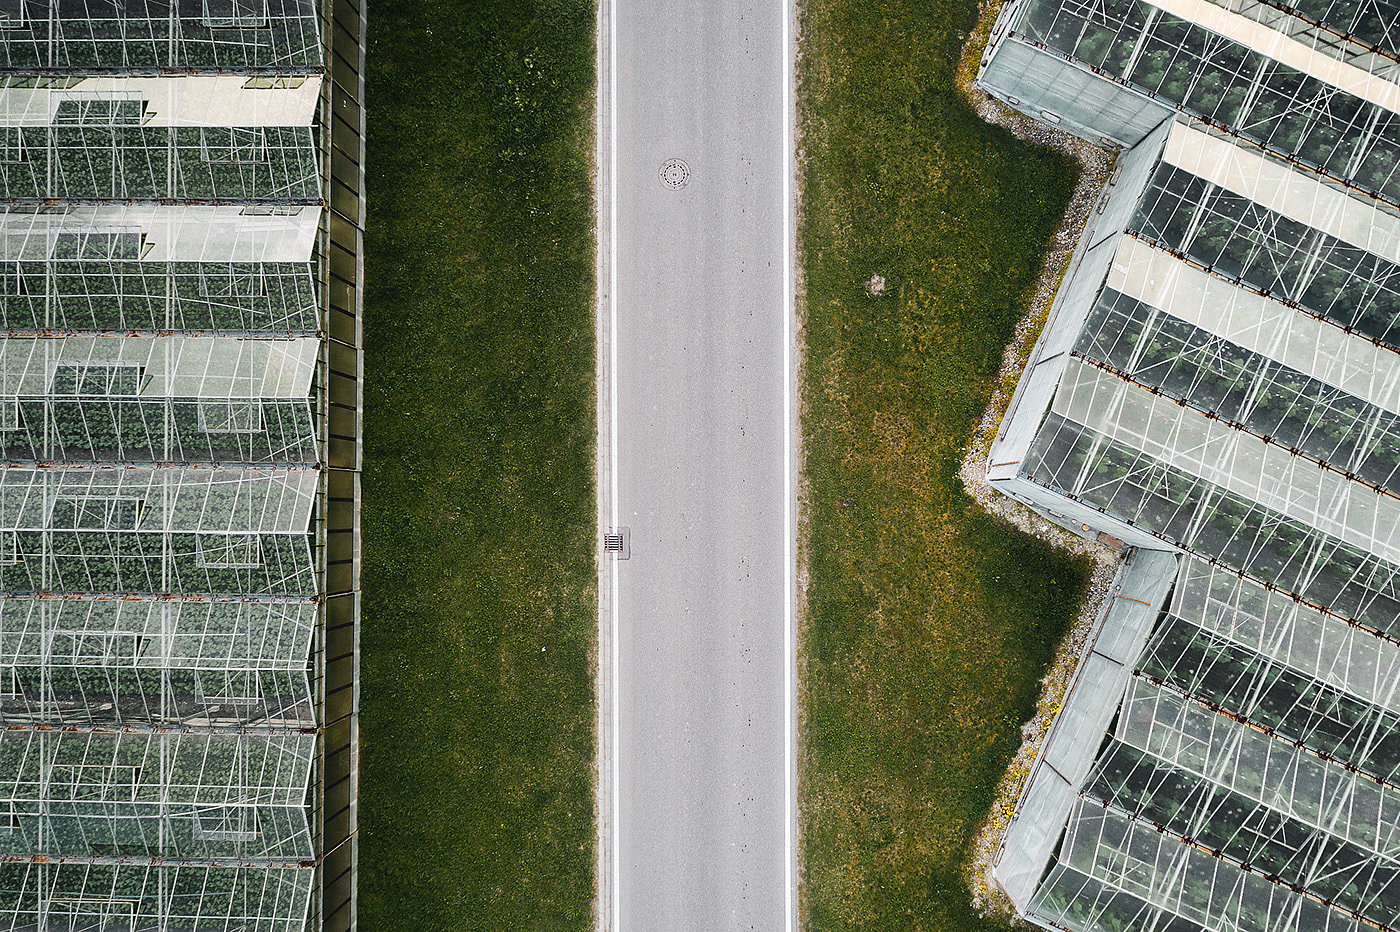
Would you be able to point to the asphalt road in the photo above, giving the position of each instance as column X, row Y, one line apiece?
column 697, row 622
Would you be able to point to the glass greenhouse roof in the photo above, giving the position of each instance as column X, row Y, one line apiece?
column 159, row 269
column 161, row 428
column 1366, row 25
column 182, row 34
column 186, row 634
column 159, row 663
column 158, row 530
column 158, row 233
column 1221, row 376
column 85, row 291
column 96, row 163
column 1273, row 455
column 187, row 100
column 216, row 796
column 157, row 367
column 1240, row 775
column 177, row 898
column 1329, row 113
column 160, row 399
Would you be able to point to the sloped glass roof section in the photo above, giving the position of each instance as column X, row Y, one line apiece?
column 1220, row 380
column 181, row 898
column 1240, row 786
column 108, row 662
column 195, row 269
column 209, row 138
column 1309, row 102
column 235, row 35
column 163, row 433
column 163, row 399
column 158, row 530
column 226, row 796
column 1363, row 32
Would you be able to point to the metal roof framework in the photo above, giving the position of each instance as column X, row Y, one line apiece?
column 163, row 178
column 1221, row 378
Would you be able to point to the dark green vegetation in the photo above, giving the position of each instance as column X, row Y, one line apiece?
column 479, row 537
column 929, row 623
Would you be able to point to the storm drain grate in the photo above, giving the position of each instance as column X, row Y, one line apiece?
column 675, row 173
column 618, row 543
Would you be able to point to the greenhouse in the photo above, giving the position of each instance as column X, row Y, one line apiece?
column 1247, row 780
column 180, row 226
column 216, row 796
column 1279, row 79
column 1217, row 395
column 90, row 896
column 233, row 35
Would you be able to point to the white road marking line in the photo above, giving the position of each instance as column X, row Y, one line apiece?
column 789, row 815
column 612, row 464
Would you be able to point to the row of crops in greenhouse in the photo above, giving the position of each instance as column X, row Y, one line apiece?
column 163, row 278
column 1220, row 384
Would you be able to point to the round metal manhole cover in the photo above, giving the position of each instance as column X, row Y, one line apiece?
column 675, row 173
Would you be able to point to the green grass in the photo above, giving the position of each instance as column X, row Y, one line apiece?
column 929, row 623
column 479, row 524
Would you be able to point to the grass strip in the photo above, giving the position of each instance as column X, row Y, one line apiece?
column 476, row 800
column 928, row 624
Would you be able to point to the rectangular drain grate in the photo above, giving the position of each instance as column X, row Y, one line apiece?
column 617, row 543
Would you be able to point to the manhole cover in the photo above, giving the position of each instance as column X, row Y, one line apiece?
column 675, row 173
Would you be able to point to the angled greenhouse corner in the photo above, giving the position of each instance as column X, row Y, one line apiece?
column 180, row 241
column 1218, row 387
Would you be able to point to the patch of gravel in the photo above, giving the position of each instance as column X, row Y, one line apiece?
column 1096, row 166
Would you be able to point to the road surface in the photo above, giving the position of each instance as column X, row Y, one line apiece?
column 695, row 461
